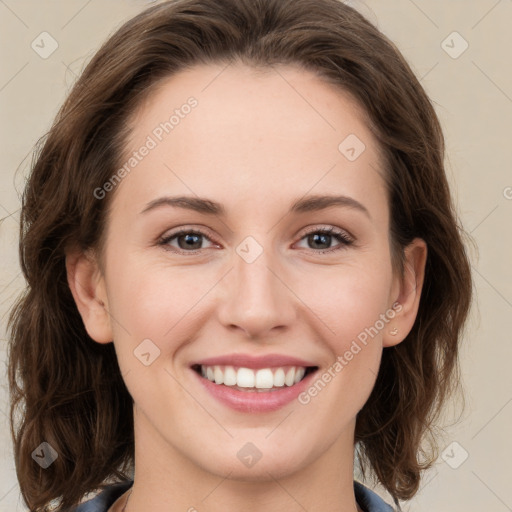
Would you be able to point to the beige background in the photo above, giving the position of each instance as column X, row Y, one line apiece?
column 473, row 97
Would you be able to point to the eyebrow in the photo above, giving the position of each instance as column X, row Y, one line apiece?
column 302, row 205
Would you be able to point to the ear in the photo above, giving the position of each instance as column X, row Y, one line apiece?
column 87, row 285
column 407, row 293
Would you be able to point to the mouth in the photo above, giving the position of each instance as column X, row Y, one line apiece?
column 254, row 380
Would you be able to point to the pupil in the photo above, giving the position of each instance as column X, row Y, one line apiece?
column 322, row 236
column 190, row 242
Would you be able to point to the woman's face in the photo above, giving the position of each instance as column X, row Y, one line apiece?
column 253, row 282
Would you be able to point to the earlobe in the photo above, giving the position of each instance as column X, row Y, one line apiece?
column 87, row 286
column 408, row 296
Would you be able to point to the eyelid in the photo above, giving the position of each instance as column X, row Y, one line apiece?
column 182, row 230
column 346, row 238
column 330, row 229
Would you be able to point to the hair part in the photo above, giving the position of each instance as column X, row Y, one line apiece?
column 70, row 387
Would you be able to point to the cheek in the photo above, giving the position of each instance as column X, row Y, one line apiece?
column 347, row 300
column 154, row 312
column 350, row 305
column 150, row 300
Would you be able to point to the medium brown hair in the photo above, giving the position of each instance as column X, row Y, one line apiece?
column 68, row 389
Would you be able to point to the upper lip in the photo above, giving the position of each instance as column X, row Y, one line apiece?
column 255, row 362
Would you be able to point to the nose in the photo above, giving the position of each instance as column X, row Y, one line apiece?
column 256, row 297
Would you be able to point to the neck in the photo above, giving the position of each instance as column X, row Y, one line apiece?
column 166, row 480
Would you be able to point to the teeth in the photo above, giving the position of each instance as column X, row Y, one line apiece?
column 218, row 375
column 245, row 378
column 299, row 374
column 229, row 376
column 264, row 378
column 279, row 378
column 289, row 380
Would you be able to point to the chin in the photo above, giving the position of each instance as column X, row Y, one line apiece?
column 248, row 463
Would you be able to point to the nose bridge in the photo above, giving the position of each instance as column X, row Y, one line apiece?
column 257, row 299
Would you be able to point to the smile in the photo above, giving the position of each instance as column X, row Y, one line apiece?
column 254, row 380
column 261, row 389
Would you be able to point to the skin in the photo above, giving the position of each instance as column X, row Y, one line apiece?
column 256, row 142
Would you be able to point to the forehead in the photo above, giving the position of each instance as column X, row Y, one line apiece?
column 223, row 128
column 260, row 100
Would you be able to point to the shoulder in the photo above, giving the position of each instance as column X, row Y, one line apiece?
column 104, row 500
column 367, row 499
column 370, row 501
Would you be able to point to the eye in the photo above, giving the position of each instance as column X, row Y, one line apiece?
column 191, row 240
column 321, row 238
column 187, row 240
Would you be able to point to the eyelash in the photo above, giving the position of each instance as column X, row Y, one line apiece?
column 340, row 236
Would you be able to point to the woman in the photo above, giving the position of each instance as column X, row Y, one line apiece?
column 184, row 343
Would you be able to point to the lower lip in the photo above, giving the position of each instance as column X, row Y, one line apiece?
column 255, row 401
